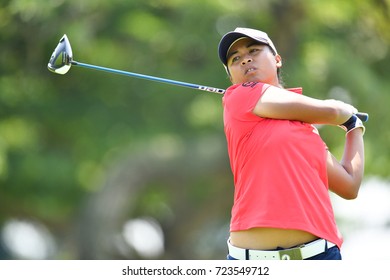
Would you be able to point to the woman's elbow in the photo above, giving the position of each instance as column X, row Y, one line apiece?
column 350, row 193
column 351, row 196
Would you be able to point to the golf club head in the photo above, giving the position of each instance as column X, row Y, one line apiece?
column 61, row 59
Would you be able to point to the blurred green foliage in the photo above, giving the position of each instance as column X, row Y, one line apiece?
column 60, row 136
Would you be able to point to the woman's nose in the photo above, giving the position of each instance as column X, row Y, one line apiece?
column 246, row 60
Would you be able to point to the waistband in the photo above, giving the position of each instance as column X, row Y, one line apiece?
column 301, row 252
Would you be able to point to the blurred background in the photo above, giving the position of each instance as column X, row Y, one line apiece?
column 101, row 166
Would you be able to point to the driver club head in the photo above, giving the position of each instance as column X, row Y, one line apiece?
column 61, row 59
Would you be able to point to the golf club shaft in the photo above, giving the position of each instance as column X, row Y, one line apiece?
column 147, row 77
column 361, row 116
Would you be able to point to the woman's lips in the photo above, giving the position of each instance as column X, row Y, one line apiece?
column 249, row 70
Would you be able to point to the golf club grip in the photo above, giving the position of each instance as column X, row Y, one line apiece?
column 362, row 116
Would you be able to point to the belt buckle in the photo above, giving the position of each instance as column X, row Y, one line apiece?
column 290, row 254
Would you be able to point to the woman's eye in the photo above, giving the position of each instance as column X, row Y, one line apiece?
column 235, row 58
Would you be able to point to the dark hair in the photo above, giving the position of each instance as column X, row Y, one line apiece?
column 280, row 78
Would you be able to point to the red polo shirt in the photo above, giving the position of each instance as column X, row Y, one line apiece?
column 279, row 169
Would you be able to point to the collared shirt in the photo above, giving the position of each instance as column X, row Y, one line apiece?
column 279, row 169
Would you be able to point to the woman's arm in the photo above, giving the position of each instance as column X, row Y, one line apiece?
column 278, row 103
column 345, row 177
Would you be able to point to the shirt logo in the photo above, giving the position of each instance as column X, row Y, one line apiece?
column 250, row 84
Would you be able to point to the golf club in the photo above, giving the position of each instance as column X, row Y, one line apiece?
column 62, row 59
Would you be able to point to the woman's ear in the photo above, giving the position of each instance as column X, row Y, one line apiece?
column 278, row 59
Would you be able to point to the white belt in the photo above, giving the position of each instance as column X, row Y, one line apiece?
column 297, row 253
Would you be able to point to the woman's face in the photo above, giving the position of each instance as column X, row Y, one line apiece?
column 251, row 61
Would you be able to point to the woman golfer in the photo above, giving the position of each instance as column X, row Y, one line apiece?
column 282, row 168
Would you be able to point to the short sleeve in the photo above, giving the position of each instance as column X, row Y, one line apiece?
column 240, row 100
